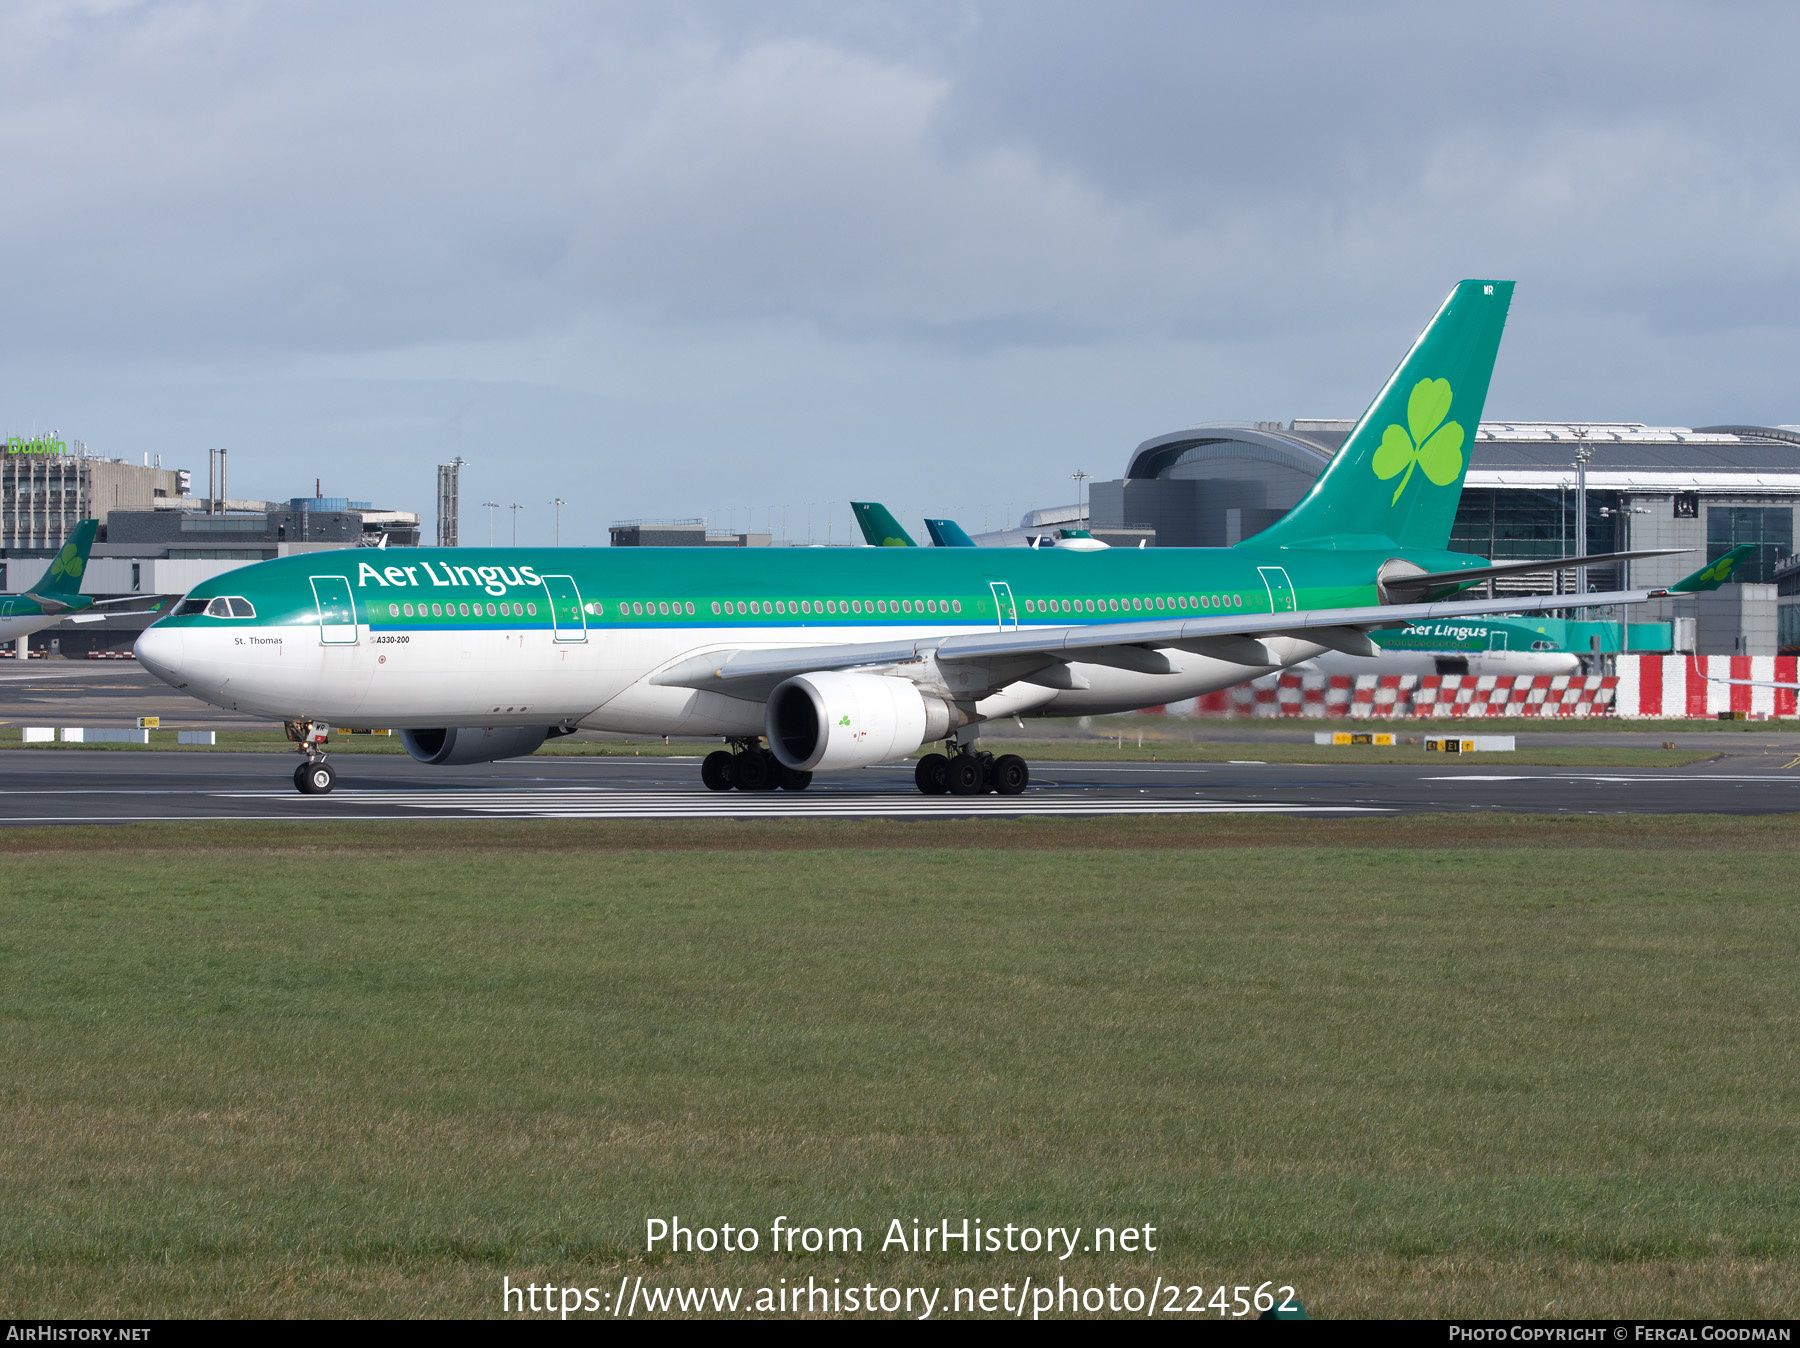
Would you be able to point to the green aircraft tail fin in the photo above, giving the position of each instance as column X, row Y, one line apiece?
column 1716, row 572
column 70, row 564
column 880, row 529
column 948, row 534
column 1399, row 475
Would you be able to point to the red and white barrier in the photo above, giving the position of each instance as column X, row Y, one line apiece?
column 1363, row 696
column 1660, row 686
column 1679, row 686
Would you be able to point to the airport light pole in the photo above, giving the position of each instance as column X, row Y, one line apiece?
column 1080, row 479
column 559, row 503
column 1622, row 542
column 1582, row 454
column 515, row 507
column 490, row 507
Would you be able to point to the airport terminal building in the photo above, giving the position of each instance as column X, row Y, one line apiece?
column 1707, row 489
column 155, row 537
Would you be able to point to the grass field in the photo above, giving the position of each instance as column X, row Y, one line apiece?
column 1472, row 1066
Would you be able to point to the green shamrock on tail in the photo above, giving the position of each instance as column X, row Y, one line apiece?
column 67, row 565
column 1434, row 444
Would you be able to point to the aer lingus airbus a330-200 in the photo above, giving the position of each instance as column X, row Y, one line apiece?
column 808, row 660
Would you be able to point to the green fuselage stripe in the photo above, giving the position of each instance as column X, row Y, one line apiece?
column 782, row 588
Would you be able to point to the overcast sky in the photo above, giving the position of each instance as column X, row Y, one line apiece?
column 673, row 259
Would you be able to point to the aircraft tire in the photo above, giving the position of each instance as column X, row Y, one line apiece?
column 772, row 771
column 750, row 771
column 1011, row 775
column 315, row 779
column 966, row 776
column 715, row 772
column 788, row 779
column 932, row 775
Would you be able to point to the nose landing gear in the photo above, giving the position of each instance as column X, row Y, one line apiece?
column 314, row 777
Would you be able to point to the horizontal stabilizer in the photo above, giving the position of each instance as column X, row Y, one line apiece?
column 1431, row 580
column 1752, row 683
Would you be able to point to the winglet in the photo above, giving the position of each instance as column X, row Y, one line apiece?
column 880, row 529
column 1715, row 573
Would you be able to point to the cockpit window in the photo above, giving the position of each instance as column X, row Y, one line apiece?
column 225, row 606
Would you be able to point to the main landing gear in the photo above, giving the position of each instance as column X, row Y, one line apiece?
column 751, row 768
column 314, row 777
column 969, row 772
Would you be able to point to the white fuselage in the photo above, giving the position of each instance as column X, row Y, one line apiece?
column 598, row 681
column 14, row 626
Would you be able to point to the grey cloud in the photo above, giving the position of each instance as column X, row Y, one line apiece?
column 970, row 200
column 207, row 177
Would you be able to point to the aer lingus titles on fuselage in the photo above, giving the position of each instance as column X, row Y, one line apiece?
column 839, row 658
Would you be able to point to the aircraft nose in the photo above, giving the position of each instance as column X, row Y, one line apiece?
column 159, row 650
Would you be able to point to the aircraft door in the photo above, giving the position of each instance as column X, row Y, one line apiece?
column 1281, row 589
column 1496, row 638
column 1006, row 614
column 337, row 611
column 566, row 617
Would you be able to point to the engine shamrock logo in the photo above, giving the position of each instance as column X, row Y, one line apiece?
column 1426, row 441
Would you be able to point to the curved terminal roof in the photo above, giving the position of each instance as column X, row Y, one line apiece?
column 1625, row 455
column 1230, row 442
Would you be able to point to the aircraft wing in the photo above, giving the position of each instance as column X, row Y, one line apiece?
column 1753, row 683
column 91, row 617
column 753, row 673
column 88, row 615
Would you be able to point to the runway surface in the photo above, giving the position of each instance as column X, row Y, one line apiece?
column 61, row 786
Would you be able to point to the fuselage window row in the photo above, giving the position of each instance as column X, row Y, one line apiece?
column 1152, row 604
column 505, row 610
column 240, row 608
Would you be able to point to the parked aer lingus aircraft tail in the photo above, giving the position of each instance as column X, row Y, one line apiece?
column 881, row 530
column 948, row 534
column 808, row 660
column 879, row 527
column 57, row 596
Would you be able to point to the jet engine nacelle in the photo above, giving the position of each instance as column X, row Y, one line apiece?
column 820, row 722
column 463, row 744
